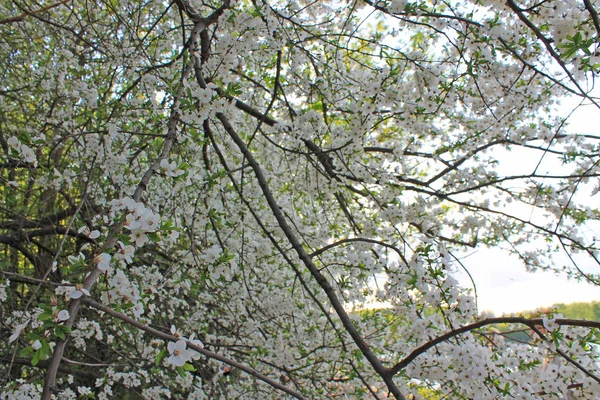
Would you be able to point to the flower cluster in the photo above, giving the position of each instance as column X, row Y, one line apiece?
column 139, row 220
column 22, row 150
column 122, row 289
column 170, row 168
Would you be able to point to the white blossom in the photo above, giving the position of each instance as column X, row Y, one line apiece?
column 63, row 315
column 102, row 261
column 17, row 331
column 550, row 323
column 179, row 354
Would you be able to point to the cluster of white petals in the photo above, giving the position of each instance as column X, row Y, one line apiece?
column 22, row 150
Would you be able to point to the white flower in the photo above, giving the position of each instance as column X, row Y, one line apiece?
column 119, row 280
column 86, row 231
column 125, row 253
column 138, row 309
column 203, row 95
column 64, row 290
column 179, row 353
column 550, row 323
column 113, row 130
column 102, row 261
column 173, row 236
column 17, row 331
column 170, row 168
column 14, row 142
column 83, row 390
column 138, row 237
column 28, row 154
column 549, row 345
column 63, row 315
column 167, row 167
column 79, row 291
column 150, row 221
column 212, row 254
column 397, row 6
column 36, row 345
column 121, row 204
column 132, row 223
column 194, row 354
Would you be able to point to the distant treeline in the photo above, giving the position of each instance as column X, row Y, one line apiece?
column 589, row 311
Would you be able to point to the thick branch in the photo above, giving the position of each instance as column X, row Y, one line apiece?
column 307, row 261
column 530, row 322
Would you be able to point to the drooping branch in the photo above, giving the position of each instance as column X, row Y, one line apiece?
column 352, row 240
column 307, row 261
column 191, row 345
column 281, row 251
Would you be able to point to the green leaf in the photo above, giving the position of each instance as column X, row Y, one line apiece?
column 24, row 137
column 36, row 358
column 45, row 317
column 167, row 225
column 33, row 336
column 161, row 356
column 188, row 367
column 61, row 330
column 317, row 106
column 154, row 236
column 45, row 351
column 181, row 371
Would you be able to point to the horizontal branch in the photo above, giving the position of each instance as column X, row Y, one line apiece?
column 530, row 322
column 29, row 13
column 14, row 277
column 351, row 240
column 20, row 222
column 42, row 364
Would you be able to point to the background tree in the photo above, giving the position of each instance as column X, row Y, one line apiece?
column 197, row 195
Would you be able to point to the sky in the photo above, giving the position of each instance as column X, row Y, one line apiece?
column 503, row 285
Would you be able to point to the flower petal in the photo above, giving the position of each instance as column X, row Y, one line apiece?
column 63, row 315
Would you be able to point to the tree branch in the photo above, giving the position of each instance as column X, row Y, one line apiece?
column 307, row 261
column 530, row 322
column 192, row 346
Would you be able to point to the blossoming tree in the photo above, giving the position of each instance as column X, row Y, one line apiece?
column 198, row 195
